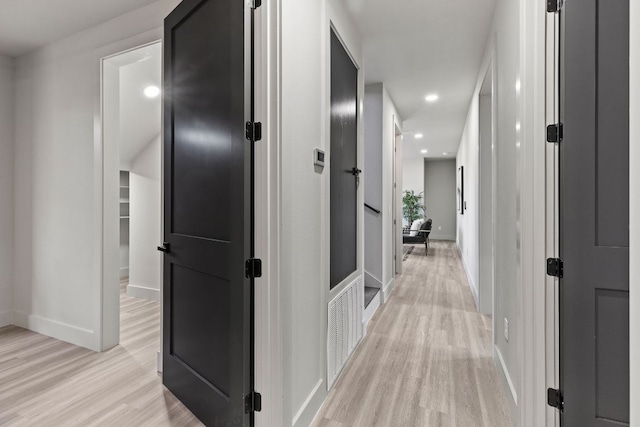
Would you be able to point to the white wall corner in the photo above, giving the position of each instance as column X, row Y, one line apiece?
column 504, row 371
column 6, row 318
column 58, row 330
column 386, row 291
column 142, row 291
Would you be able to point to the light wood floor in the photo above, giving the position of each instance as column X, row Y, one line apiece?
column 45, row 382
column 426, row 359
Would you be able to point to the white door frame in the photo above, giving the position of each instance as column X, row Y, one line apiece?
column 106, row 159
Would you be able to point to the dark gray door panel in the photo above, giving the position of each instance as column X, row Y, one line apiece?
column 594, row 212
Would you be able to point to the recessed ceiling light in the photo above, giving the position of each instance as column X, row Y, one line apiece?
column 432, row 97
column 418, row 136
column 444, row 154
column 151, row 91
column 423, row 151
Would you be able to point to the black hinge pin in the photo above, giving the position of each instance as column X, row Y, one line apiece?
column 253, row 268
column 555, row 398
column 555, row 133
column 252, row 402
column 555, row 267
column 254, row 131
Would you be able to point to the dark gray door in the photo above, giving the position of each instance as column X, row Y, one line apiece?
column 594, row 241
column 344, row 163
column 207, row 340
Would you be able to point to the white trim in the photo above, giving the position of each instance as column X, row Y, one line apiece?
column 370, row 310
column 372, row 281
column 144, row 292
column 303, row 417
column 268, row 329
column 124, row 272
column 507, row 377
column 107, row 302
column 634, row 224
column 58, row 330
column 6, row 318
column 472, row 285
column 386, row 291
column 531, row 348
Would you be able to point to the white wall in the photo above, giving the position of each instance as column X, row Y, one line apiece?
column 373, row 185
column 504, row 48
column 413, row 176
column 7, row 66
column 145, row 228
column 440, row 197
column 304, row 256
column 58, row 263
column 634, row 157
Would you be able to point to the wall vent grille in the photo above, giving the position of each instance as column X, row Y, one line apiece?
column 344, row 327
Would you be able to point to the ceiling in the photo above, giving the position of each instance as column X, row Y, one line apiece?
column 26, row 25
column 140, row 116
column 420, row 47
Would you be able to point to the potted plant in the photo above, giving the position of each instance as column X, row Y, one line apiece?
column 412, row 206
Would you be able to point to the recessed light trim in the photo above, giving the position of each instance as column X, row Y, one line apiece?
column 418, row 136
column 151, row 91
column 424, row 151
column 432, row 97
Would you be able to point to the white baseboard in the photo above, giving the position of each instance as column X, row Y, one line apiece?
column 144, row 292
column 6, row 318
column 124, row 272
column 472, row 285
column 370, row 310
column 507, row 377
column 311, row 406
column 386, row 291
column 52, row 328
column 446, row 237
column 372, row 281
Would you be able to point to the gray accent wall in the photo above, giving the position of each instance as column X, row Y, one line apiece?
column 440, row 197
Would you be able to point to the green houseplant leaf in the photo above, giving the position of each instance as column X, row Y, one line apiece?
column 412, row 207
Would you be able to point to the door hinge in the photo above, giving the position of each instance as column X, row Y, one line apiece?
column 555, row 133
column 253, row 268
column 254, row 131
column 554, row 6
column 555, row 398
column 254, row 4
column 555, row 267
column 252, row 402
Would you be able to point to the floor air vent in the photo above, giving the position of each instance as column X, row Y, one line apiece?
column 345, row 327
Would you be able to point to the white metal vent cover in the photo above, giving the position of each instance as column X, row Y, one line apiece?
column 344, row 327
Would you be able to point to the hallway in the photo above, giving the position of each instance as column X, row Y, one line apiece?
column 53, row 383
column 426, row 359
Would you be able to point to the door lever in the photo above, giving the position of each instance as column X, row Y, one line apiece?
column 356, row 172
column 166, row 248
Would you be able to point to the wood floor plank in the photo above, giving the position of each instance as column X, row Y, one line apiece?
column 427, row 358
column 46, row 382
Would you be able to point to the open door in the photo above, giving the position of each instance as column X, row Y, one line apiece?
column 594, row 214
column 207, row 298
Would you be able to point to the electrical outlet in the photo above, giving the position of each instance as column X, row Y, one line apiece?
column 506, row 329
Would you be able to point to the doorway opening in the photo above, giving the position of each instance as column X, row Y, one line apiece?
column 132, row 123
column 397, row 201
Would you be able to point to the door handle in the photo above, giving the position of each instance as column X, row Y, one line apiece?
column 356, row 172
column 166, row 248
